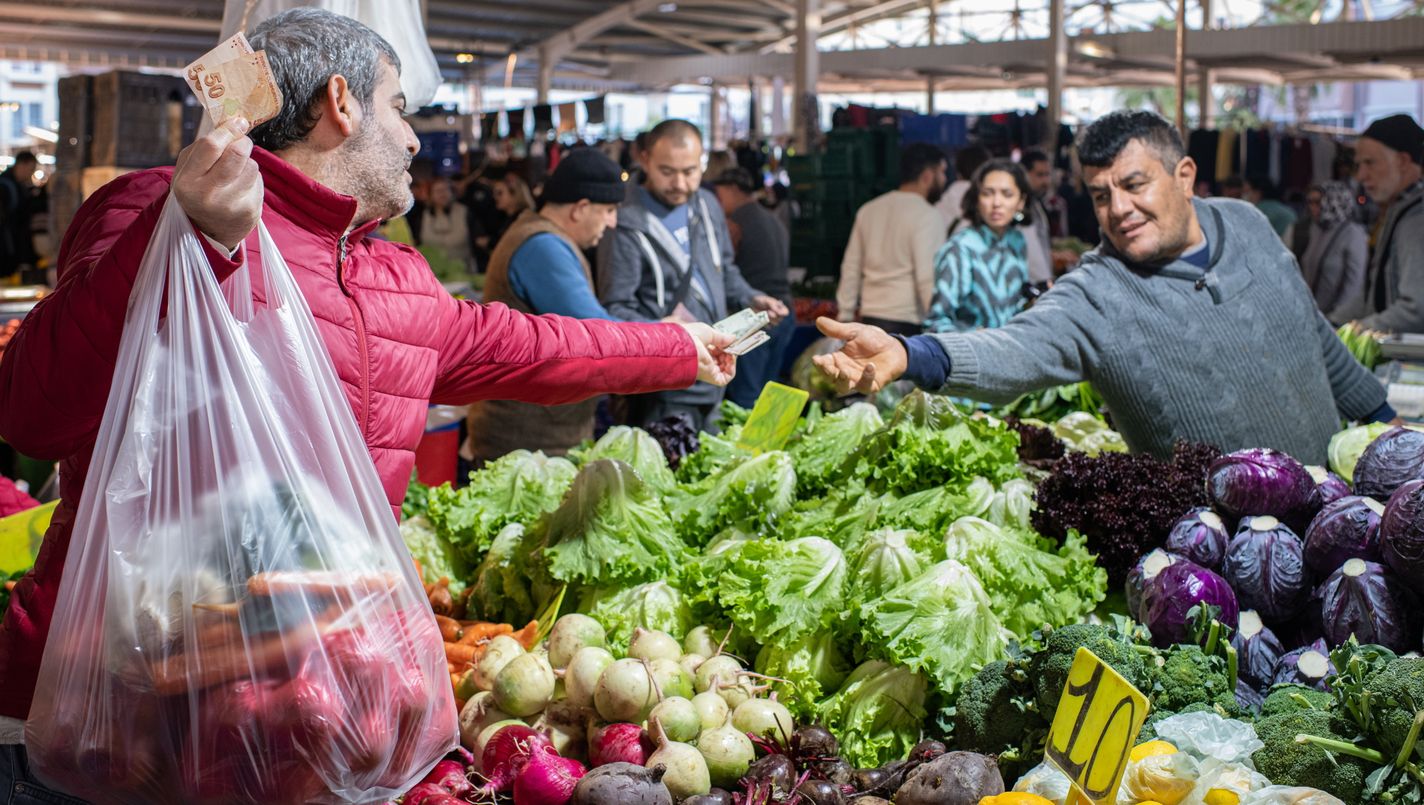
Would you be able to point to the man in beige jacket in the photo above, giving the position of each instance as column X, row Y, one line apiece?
column 887, row 275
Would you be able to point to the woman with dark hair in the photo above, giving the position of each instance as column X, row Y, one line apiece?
column 1334, row 261
column 981, row 271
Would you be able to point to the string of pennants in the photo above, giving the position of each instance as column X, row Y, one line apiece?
column 541, row 119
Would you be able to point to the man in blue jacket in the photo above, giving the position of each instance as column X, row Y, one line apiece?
column 671, row 257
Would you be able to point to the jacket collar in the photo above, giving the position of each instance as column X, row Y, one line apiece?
column 306, row 202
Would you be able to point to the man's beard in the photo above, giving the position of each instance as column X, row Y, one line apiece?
column 373, row 171
column 935, row 194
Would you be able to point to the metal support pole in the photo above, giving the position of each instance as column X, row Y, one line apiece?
column 929, row 95
column 808, row 67
column 1206, row 117
column 778, row 106
column 716, row 137
column 1057, row 69
column 1182, row 68
column 754, row 109
column 546, row 73
column 934, row 23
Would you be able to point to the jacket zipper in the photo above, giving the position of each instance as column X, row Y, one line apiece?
column 360, row 321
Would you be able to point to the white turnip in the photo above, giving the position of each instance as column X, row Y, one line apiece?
column 728, row 753
column 581, row 675
column 764, row 718
column 479, row 712
column 691, row 662
column 701, row 641
column 687, row 773
column 498, row 654
column 671, row 679
column 524, row 686
column 652, row 644
column 722, row 667
column 571, row 633
column 625, row 691
column 711, row 708
column 678, row 717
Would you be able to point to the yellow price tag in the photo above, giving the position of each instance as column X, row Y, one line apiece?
column 20, row 536
column 773, row 418
column 1095, row 727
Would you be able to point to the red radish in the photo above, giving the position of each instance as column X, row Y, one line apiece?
column 506, row 753
column 450, row 775
column 620, row 743
column 547, row 779
column 430, row 794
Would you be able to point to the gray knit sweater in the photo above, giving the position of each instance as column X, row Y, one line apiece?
column 1242, row 359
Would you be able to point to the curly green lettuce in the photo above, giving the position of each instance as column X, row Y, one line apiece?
column 437, row 557
column 611, row 529
column 882, row 561
column 1029, row 584
column 750, row 493
column 878, row 713
column 821, row 451
column 655, row 605
column 516, row 488
column 502, row 592
column 637, row 449
column 941, row 622
column 781, row 591
column 805, row 671
column 929, row 442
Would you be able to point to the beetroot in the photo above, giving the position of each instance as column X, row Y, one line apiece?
column 450, row 775
column 620, row 743
column 546, row 778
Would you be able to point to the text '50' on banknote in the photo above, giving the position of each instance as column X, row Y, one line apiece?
column 232, row 80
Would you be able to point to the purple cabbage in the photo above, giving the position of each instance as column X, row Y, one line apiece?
column 1349, row 528
column 1329, row 487
column 1402, row 533
column 1143, row 572
column 1174, row 591
column 1259, row 481
column 1265, row 565
column 1365, row 600
column 1248, row 697
column 1308, row 665
column 1199, row 536
column 1390, row 461
column 1258, row 650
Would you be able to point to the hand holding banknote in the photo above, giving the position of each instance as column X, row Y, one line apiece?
column 218, row 185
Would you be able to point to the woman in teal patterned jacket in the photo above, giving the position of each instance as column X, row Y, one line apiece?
column 981, row 271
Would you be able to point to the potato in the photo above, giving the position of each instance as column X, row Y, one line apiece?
column 954, row 778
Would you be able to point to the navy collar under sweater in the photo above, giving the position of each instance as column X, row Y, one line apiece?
column 1198, row 265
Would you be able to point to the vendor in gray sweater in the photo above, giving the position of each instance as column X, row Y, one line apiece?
column 1191, row 319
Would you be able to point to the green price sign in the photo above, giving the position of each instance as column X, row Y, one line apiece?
column 1095, row 727
column 773, row 418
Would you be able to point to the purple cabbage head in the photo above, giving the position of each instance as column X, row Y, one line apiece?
column 1346, row 529
column 1329, row 487
column 1199, row 536
column 1259, row 481
column 1247, row 697
column 1365, row 600
column 1395, row 457
column 1257, row 650
column 1265, row 565
column 1146, row 569
column 1308, row 665
column 1170, row 595
column 1402, row 533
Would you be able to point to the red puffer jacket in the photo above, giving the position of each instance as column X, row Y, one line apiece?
column 397, row 339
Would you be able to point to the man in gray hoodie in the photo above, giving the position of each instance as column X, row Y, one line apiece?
column 671, row 257
column 1388, row 161
column 1191, row 319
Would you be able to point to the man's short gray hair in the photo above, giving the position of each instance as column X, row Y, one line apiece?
column 306, row 47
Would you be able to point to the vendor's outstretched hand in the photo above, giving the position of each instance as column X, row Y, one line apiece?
column 869, row 360
column 713, row 365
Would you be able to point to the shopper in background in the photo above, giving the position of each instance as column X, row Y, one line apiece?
column 763, row 252
column 1038, row 240
column 17, row 242
column 1191, row 320
column 320, row 177
column 1387, row 159
column 444, row 226
column 511, row 197
column 951, row 205
column 887, row 274
column 718, row 163
column 539, row 267
column 981, row 272
column 1261, row 191
column 1337, row 251
column 671, row 257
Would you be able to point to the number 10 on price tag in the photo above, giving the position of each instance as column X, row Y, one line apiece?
column 1095, row 728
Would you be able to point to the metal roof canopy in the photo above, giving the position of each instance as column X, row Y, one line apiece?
column 648, row 44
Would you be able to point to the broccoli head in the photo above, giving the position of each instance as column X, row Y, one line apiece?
column 1190, row 676
column 1050, row 667
column 1295, row 698
column 1395, row 694
column 995, row 710
column 1286, row 761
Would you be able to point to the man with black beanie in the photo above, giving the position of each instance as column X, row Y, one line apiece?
column 539, row 268
column 1388, row 156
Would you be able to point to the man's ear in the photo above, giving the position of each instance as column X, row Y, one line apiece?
column 1187, row 175
column 339, row 106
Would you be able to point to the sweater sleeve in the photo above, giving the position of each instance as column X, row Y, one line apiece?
column 57, row 369
column 1358, row 394
column 1055, row 342
column 620, row 275
column 494, row 353
column 1406, row 315
column 546, row 274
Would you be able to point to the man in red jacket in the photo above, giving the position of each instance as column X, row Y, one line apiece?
column 321, row 176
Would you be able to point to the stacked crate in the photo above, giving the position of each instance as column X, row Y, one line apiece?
column 828, row 187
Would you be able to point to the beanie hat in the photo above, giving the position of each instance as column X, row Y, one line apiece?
column 1400, row 133
column 586, row 173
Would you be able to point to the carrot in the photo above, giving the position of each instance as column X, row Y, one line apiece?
column 462, row 654
column 528, row 636
column 478, row 633
column 449, row 628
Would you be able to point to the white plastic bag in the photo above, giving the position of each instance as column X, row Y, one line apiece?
column 1283, row 795
column 1208, row 735
column 238, row 619
column 1046, row 781
column 398, row 21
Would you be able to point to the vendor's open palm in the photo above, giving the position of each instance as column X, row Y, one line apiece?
column 869, row 359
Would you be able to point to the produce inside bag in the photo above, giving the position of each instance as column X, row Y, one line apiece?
column 239, row 621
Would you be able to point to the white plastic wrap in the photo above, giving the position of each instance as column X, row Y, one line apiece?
column 239, row 621
column 1208, row 735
